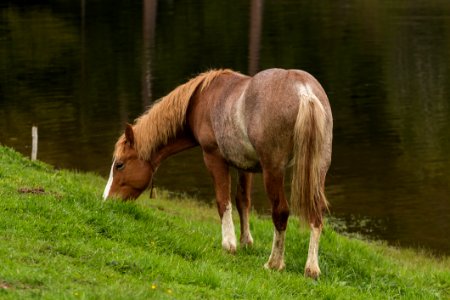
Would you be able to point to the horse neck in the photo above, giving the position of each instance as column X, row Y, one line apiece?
column 181, row 142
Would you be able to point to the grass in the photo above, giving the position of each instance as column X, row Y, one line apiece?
column 59, row 241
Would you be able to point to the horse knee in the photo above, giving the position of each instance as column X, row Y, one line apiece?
column 222, row 207
column 317, row 220
column 280, row 217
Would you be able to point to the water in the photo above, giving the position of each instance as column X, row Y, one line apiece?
column 80, row 71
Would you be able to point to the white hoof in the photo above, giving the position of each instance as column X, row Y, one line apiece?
column 229, row 245
column 312, row 271
column 275, row 265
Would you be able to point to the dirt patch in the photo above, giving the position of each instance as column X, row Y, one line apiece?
column 4, row 285
column 39, row 191
column 36, row 190
column 17, row 286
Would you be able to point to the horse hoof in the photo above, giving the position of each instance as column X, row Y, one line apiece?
column 247, row 242
column 277, row 266
column 229, row 247
column 312, row 273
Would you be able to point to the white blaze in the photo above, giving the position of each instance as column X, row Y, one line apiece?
column 110, row 181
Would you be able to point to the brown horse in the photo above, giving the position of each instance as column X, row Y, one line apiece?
column 265, row 123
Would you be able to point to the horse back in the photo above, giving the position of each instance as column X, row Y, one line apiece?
column 250, row 120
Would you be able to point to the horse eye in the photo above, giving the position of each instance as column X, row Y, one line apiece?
column 119, row 166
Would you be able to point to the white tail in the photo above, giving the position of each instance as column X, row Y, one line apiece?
column 307, row 192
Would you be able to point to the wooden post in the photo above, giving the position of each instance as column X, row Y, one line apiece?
column 34, row 145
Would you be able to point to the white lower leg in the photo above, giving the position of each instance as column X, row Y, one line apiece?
column 276, row 259
column 312, row 263
column 228, row 235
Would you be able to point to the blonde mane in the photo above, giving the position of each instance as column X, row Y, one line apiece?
column 166, row 117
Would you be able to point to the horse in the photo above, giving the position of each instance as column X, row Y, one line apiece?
column 267, row 123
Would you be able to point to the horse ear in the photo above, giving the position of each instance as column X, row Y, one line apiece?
column 129, row 134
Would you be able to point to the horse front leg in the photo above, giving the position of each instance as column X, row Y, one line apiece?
column 243, row 202
column 273, row 182
column 219, row 170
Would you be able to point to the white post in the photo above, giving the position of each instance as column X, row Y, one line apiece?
column 34, row 146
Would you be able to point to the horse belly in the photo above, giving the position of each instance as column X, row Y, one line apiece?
column 240, row 153
column 233, row 140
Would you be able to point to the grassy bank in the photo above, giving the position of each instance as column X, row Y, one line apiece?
column 59, row 241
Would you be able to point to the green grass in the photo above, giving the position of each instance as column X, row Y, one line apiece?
column 58, row 240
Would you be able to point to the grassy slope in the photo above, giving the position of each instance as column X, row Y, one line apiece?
column 65, row 243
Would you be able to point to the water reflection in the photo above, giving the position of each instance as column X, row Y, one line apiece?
column 148, row 41
column 80, row 71
column 255, row 28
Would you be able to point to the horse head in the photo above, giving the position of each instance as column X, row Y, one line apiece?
column 130, row 175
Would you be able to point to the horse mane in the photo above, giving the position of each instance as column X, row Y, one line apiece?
column 166, row 117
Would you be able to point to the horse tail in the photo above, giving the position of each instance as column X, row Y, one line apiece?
column 307, row 191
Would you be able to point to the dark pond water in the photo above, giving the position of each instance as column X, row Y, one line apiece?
column 80, row 70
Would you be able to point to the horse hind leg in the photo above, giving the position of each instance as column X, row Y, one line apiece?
column 273, row 182
column 312, row 269
column 220, row 173
column 243, row 201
